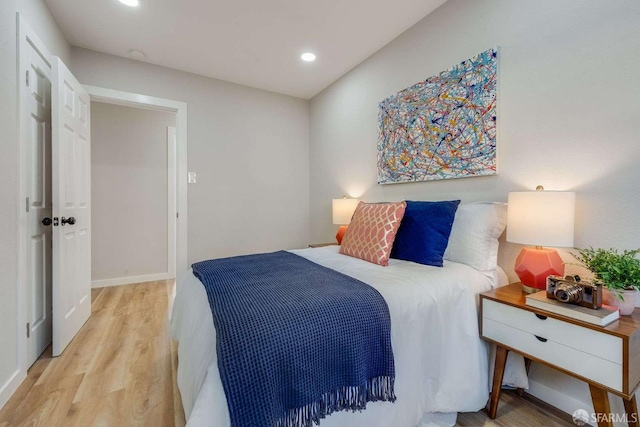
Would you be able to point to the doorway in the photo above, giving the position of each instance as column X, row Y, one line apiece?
column 38, row 176
column 133, row 194
column 128, row 99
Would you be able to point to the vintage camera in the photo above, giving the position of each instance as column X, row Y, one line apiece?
column 572, row 290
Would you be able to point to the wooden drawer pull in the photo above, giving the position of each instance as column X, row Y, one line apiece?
column 540, row 316
column 540, row 338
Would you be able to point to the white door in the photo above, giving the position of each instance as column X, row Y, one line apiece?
column 71, row 163
column 38, row 202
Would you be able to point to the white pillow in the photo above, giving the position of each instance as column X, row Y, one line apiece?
column 474, row 235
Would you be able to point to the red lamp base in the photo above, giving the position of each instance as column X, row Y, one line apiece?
column 341, row 231
column 534, row 265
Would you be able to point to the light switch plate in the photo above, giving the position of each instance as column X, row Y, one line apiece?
column 191, row 177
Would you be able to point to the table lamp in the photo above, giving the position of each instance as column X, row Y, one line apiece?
column 540, row 218
column 342, row 210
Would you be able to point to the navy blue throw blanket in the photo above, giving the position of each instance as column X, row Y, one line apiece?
column 296, row 341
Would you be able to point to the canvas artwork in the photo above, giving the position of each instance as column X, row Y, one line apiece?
column 441, row 128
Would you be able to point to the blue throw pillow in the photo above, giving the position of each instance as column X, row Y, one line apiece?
column 424, row 232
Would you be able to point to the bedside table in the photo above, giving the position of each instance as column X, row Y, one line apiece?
column 321, row 245
column 607, row 358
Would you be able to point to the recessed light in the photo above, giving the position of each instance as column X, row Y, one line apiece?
column 131, row 3
column 137, row 54
column 308, row 57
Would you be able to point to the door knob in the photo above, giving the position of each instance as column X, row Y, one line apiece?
column 71, row 220
column 46, row 221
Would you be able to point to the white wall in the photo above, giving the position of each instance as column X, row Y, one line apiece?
column 40, row 19
column 249, row 147
column 128, row 191
column 569, row 117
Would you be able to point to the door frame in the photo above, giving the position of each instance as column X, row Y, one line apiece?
column 26, row 36
column 172, row 205
column 129, row 99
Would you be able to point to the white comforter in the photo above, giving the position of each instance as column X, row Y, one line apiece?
column 441, row 363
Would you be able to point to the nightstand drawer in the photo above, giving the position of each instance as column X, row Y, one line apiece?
column 584, row 364
column 585, row 340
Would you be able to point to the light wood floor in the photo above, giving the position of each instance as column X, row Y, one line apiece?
column 518, row 411
column 116, row 372
column 120, row 371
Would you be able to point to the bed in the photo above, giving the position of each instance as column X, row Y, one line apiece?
column 441, row 363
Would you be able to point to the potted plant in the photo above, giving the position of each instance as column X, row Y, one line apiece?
column 619, row 272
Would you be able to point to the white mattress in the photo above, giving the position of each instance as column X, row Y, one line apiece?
column 441, row 363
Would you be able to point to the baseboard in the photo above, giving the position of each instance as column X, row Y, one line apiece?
column 559, row 400
column 10, row 387
column 129, row 280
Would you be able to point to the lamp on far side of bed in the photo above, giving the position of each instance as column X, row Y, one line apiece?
column 342, row 210
column 540, row 218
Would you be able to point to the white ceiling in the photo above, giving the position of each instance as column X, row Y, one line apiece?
column 256, row 43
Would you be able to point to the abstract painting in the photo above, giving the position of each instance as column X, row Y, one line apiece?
column 444, row 127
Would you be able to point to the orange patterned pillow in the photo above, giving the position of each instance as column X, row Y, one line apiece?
column 372, row 231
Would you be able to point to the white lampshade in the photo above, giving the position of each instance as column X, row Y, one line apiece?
column 541, row 218
column 343, row 210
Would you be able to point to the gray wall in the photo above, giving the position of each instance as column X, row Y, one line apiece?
column 249, row 147
column 38, row 16
column 128, row 191
column 569, row 119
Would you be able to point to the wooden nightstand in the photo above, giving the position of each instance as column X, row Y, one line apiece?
column 321, row 245
column 607, row 358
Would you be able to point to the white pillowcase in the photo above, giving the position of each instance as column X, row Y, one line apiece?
column 474, row 235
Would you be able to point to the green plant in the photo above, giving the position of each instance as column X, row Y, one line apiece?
column 617, row 271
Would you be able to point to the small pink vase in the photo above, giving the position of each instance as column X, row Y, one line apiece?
column 627, row 306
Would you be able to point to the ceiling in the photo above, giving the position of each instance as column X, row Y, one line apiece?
column 257, row 43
